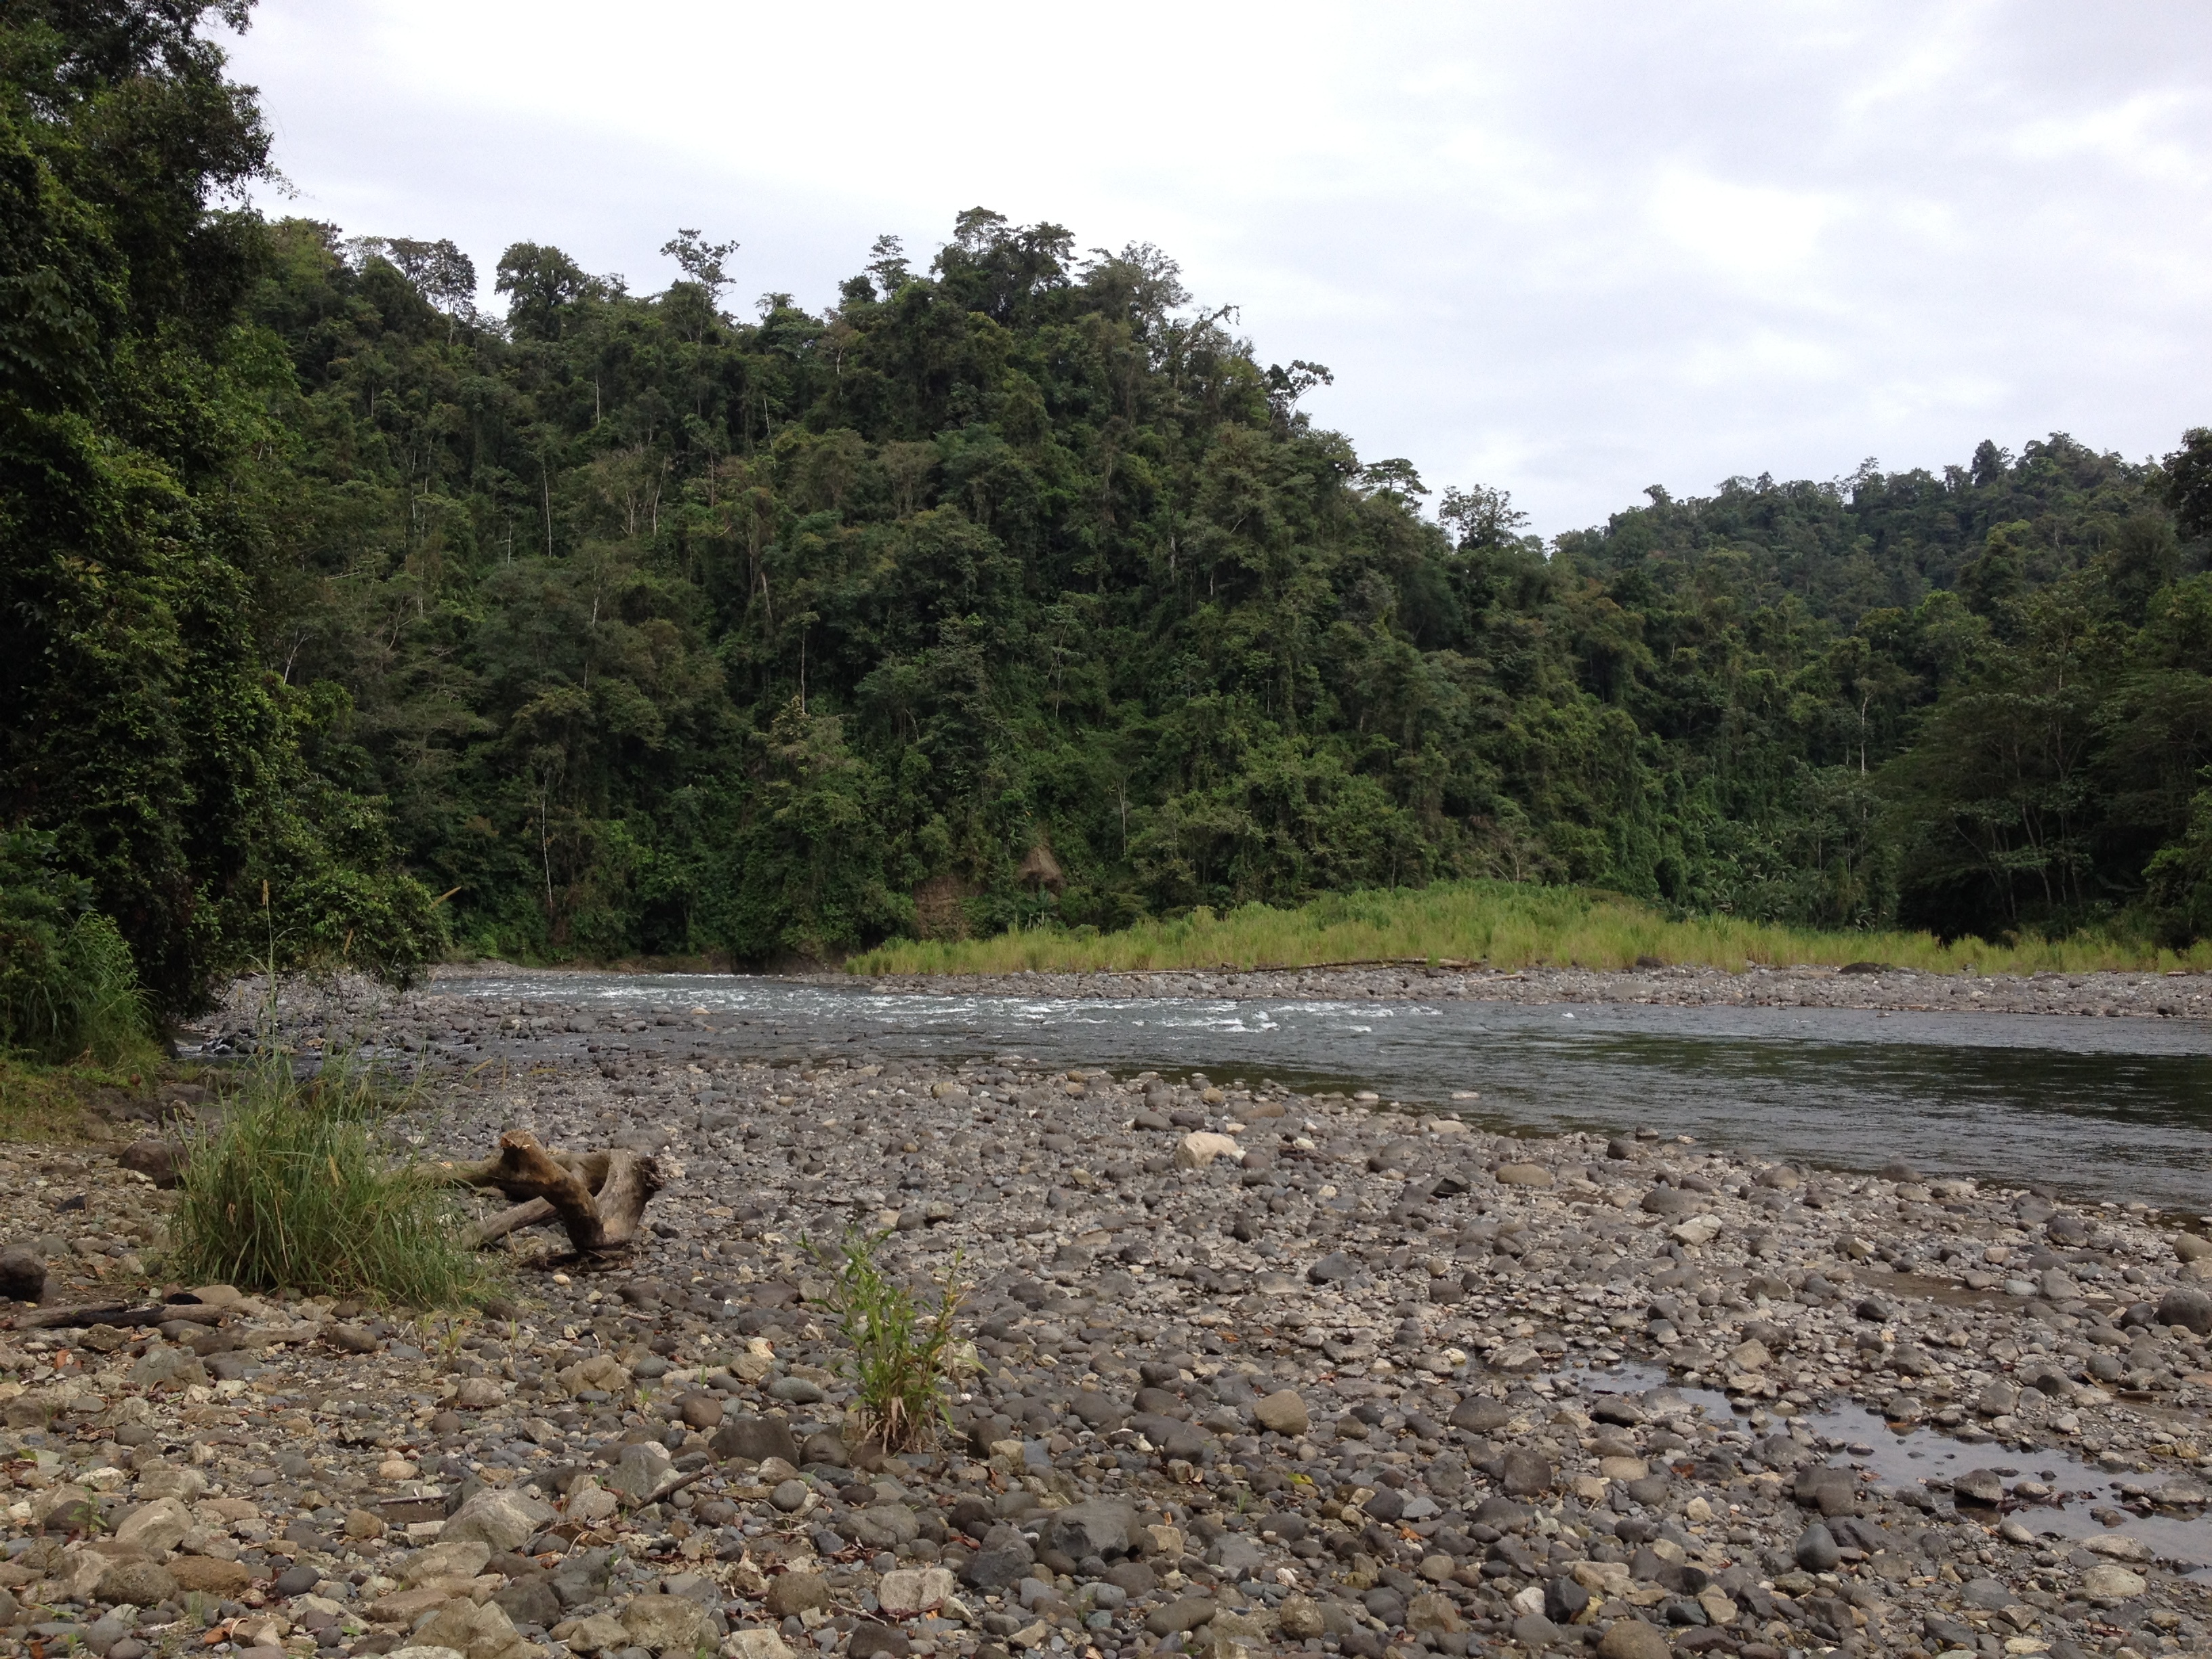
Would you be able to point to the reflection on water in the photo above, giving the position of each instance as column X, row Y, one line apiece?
column 2116, row 1108
column 1904, row 1457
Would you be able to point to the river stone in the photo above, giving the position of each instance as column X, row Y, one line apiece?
column 871, row 1640
column 447, row 1559
column 755, row 1644
column 1669, row 1202
column 910, row 1592
column 140, row 1582
column 1816, row 1550
column 667, row 1624
column 504, row 1519
column 1099, row 1526
column 1824, row 1487
column 22, row 1274
column 1632, row 1639
column 1524, row 1474
column 1332, row 1268
column 1283, row 1412
column 155, row 1528
column 2190, row 1309
column 1386, row 1505
column 2107, row 1582
column 793, row 1593
column 480, row 1631
column 166, row 1367
column 755, row 1439
column 1531, row 1630
column 1180, row 1617
column 1199, row 1149
column 1479, row 1414
column 998, row 1566
column 887, row 1526
column 209, row 1575
column 185, row 1485
column 2117, row 1546
column 600, row 1371
column 1432, row 1613
column 1300, row 1618
column 601, row 1633
column 153, row 1157
column 1523, row 1175
column 1985, row 1486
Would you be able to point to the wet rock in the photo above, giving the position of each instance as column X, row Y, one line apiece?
column 1983, row 1487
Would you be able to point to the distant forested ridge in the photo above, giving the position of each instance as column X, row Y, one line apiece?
column 1013, row 587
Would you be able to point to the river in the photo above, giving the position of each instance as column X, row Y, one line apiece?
column 2102, row 1110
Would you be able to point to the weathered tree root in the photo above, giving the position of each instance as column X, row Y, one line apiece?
column 600, row 1198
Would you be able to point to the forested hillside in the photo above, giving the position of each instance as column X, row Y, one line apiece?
column 1013, row 586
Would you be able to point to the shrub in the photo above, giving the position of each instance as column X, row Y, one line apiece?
column 295, row 1190
column 68, row 985
column 902, row 1356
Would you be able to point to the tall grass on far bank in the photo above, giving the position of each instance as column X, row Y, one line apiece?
column 295, row 1190
column 1505, row 924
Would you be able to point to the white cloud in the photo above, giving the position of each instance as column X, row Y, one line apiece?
column 1573, row 250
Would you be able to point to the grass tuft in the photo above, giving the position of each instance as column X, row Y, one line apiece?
column 903, row 1358
column 1507, row 924
column 294, row 1191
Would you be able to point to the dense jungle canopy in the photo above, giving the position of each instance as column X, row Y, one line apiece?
column 1013, row 586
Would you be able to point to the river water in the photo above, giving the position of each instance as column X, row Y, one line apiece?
column 2099, row 1108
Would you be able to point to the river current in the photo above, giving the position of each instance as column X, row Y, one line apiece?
column 2102, row 1110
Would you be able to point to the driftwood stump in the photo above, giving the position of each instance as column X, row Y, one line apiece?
column 600, row 1198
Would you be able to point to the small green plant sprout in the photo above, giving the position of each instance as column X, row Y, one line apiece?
column 904, row 1356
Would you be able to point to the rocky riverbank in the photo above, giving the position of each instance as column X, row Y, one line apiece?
column 1251, row 1371
column 1868, row 985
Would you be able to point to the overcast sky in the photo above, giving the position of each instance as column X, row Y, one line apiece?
column 1570, row 250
